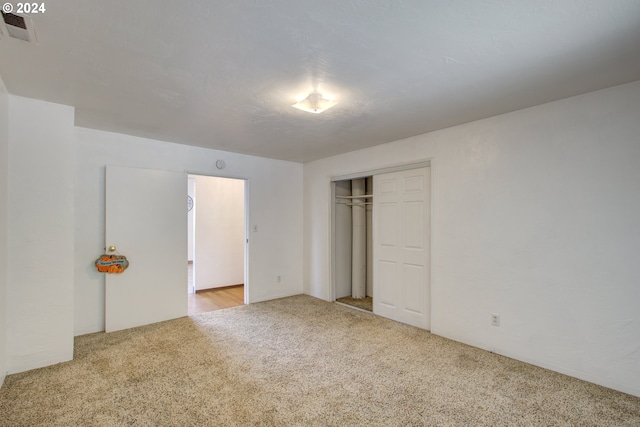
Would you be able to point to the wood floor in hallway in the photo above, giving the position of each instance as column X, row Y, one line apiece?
column 216, row 299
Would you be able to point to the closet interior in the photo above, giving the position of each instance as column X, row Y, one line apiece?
column 354, row 242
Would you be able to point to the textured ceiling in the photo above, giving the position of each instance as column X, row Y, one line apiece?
column 223, row 74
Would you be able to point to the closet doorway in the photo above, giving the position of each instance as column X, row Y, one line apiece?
column 353, row 237
column 381, row 234
column 216, row 230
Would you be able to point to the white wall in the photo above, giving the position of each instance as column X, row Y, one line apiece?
column 220, row 232
column 535, row 218
column 4, row 212
column 41, row 234
column 275, row 205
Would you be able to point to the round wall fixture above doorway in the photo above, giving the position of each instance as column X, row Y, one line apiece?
column 220, row 164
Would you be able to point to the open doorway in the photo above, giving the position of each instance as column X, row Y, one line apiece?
column 216, row 243
column 353, row 263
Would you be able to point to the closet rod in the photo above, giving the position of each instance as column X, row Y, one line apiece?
column 354, row 197
column 355, row 203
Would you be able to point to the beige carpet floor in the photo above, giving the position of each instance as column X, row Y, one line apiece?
column 298, row 361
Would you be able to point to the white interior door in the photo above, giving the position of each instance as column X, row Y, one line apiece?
column 401, row 216
column 146, row 220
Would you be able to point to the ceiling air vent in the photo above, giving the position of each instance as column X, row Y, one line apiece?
column 18, row 27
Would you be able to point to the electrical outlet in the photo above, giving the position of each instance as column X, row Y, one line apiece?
column 495, row 319
column 279, row 279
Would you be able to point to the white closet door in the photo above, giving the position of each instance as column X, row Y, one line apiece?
column 146, row 220
column 401, row 217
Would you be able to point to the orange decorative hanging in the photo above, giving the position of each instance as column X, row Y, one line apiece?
column 111, row 263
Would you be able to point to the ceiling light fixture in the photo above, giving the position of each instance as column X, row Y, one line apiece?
column 315, row 103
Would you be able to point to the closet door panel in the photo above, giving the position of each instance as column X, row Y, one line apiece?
column 401, row 227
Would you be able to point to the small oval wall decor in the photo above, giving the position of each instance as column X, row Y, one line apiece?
column 112, row 264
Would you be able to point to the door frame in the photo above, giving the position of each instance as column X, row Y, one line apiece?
column 332, row 214
column 247, row 221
